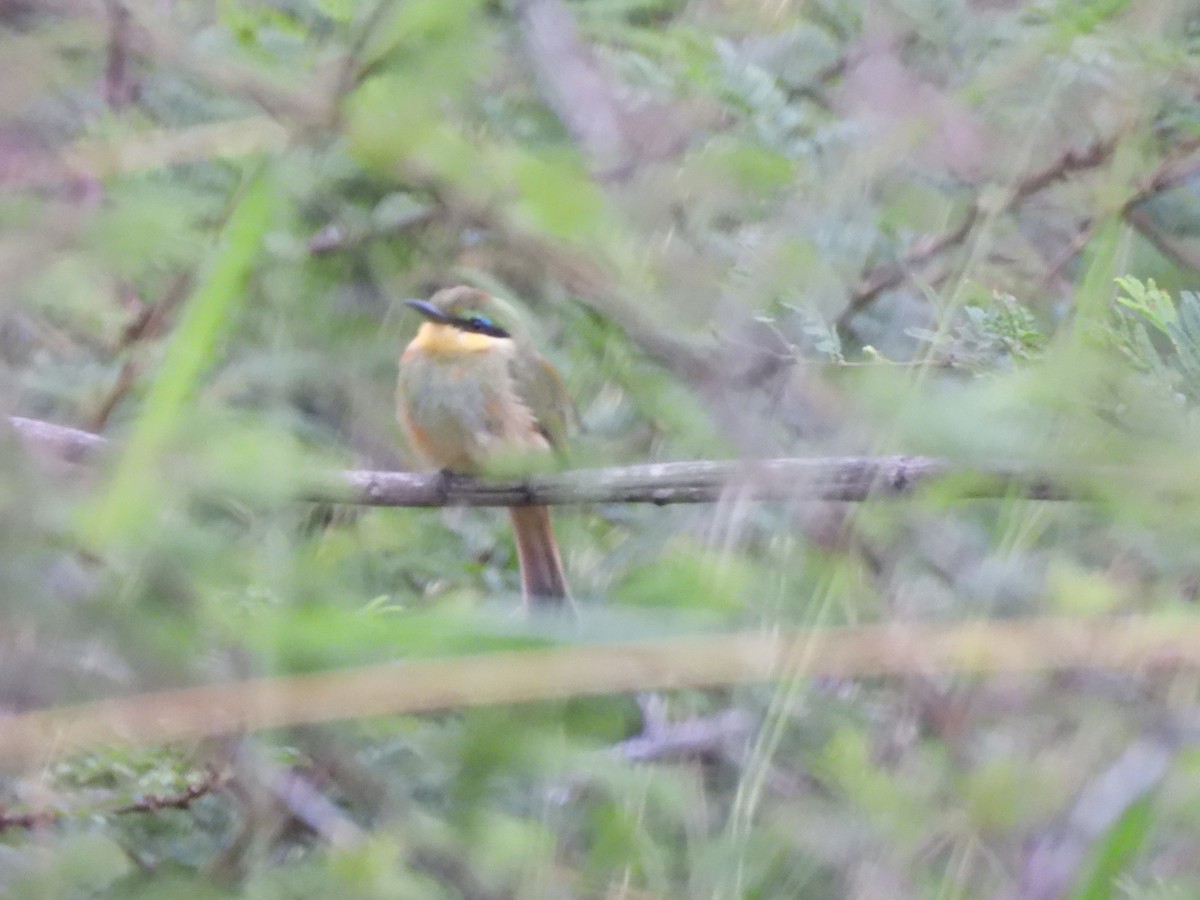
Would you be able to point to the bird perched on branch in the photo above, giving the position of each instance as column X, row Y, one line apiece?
column 472, row 389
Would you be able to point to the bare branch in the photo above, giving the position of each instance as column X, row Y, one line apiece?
column 29, row 820
column 1127, row 643
column 1067, row 164
column 40, row 818
column 1180, row 252
column 845, row 479
column 840, row 479
column 1181, row 166
column 180, row 800
column 889, row 275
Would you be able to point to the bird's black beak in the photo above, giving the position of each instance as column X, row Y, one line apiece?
column 429, row 311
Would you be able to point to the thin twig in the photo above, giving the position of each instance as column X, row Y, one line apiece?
column 890, row 275
column 1180, row 166
column 1082, row 237
column 148, row 322
column 41, row 818
column 180, row 800
column 1067, row 164
column 1182, row 254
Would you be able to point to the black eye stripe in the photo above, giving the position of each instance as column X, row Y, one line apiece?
column 481, row 325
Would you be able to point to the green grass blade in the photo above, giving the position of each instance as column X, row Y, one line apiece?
column 189, row 353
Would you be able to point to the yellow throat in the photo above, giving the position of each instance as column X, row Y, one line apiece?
column 438, row 339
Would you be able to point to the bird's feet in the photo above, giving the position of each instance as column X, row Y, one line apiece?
column 449, row 482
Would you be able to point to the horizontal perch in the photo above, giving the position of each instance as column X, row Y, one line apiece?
column 831, row 478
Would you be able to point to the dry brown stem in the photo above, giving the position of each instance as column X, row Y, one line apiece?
column 1155, row 643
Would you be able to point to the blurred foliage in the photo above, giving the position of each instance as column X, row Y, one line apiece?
column 833, row 227
column 1152, row 311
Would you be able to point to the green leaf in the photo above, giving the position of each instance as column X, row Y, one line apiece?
column 76, row 866
column 1115, row 853
column 688, row 575
column 1148, row 300
column 1073, row 17
column 755, row 168
column 1095, row 284
column 338, row 10
column 558, row 196
column 417, row 23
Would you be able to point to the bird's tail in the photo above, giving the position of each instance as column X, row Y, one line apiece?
column 542, row 581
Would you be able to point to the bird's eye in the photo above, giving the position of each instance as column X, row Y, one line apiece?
column 481, row 325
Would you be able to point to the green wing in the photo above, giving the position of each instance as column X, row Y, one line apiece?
column 541, row 388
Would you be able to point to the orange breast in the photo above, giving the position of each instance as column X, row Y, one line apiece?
column 458, row 407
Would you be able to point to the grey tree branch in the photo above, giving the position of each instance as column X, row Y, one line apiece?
column 69, row 444
column 705, row 481
column 848, row 479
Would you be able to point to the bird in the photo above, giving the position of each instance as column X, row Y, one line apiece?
column 472, row 388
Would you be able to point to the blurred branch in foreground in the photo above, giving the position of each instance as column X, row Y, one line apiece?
column 418, row 686
column 847, row 479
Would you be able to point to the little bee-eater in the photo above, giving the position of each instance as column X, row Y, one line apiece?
column 471, row 388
